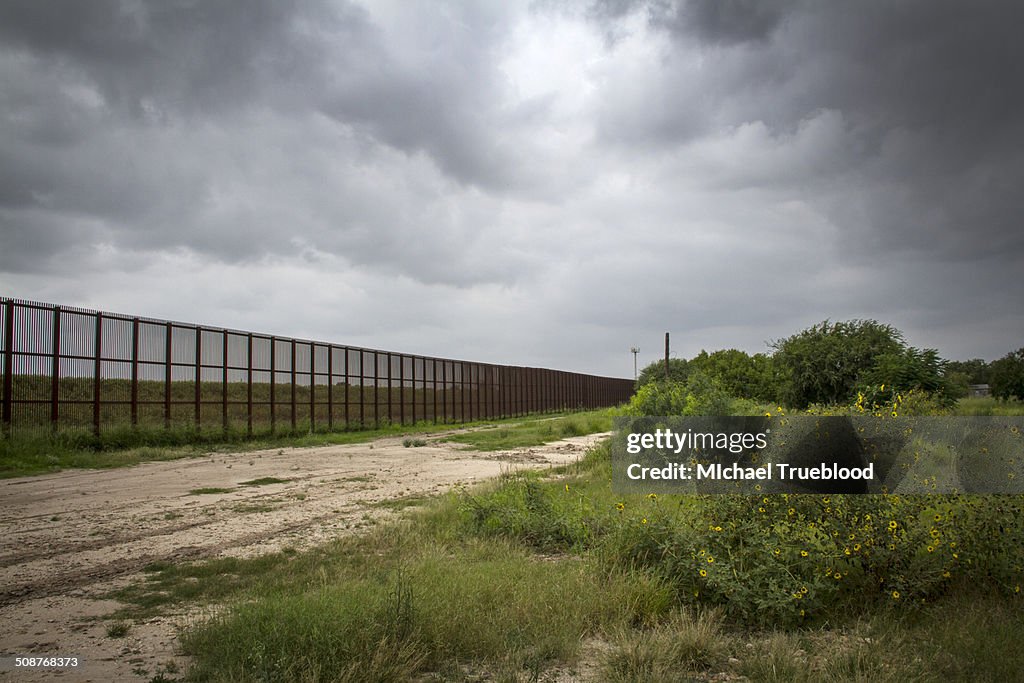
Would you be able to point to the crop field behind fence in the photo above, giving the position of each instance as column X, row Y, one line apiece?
column 77, row 368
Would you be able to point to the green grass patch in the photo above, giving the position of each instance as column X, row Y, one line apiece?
column 38, row 450
column 400, row 503
column 263, row 481
column 535, row 432
column 118, row 629
column 988, row 406
column 506, row 581
column 208, row 490
column 682, row 645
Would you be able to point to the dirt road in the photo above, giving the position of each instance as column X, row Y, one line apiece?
column 68, row 539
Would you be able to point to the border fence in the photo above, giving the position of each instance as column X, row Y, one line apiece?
column 77, row 368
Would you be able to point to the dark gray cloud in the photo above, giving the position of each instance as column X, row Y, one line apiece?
column 183, row 56
column 721, row 21
column 923, row 93
column 527, row 182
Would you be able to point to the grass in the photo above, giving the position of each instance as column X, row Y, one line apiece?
column 118, row 629
column 399, row 503
column 208, row 490
column 30, row 451
column 263, row 481
column 535, row 432
column 988, row 406
column 498, row 584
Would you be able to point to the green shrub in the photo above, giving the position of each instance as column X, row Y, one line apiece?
column 1007, row 375
column 700, row 395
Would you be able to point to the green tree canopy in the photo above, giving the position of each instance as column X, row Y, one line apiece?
column 1007, row 376
column 824, row 363
column 678, row 371
column 976, row 370
column 739, row 373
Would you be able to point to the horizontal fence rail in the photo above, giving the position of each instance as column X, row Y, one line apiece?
column 71, row 367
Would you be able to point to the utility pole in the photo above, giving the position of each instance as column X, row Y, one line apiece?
column 666, row 357
column 635, row 350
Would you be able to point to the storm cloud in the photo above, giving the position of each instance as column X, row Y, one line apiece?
column 533, row 183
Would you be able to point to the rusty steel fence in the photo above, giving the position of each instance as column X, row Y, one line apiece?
column 72, row 367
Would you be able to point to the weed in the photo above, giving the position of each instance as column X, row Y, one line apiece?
column 118, row 629
column 263, row 481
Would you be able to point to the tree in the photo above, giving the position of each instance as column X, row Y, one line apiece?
column 823, row 363
column 738, row 373
column 678, row 371
column 911, row 368
column 976, row 370
column 1006, row 376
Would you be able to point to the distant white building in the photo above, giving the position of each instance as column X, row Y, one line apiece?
column 980, row 390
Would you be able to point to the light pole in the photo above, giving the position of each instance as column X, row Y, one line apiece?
column 635, row 350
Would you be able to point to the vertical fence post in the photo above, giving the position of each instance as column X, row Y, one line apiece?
column 135, row 373
column 248, row 387
column 462, row 395
column 502, row 391
column 167, row 374
column 444, row 391
column 401, row 380
column 330, row 388
column 224, row 378
column 55, row 371
column 412, row 400
column 312, row 387
column 433, row 384
column 391, row 409
column 96, row 375
column 485, row 390
column 376, row 393
column 478, row 385
column 6, row 414
column 513, row 396
column 273, row 384
column 528, row 390
column 199, row 378
column 346, row 384
column 362, row 388
column 294, row 406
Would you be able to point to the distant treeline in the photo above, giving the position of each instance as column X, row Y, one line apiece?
column 835, row 362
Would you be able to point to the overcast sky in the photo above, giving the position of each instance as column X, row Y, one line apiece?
column 535, row 183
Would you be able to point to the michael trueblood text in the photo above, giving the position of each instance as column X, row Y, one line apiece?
column 780, row 471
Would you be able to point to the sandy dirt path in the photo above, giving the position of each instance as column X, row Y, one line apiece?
column 68, row 539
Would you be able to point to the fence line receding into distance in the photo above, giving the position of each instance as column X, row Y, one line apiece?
column 71, row 367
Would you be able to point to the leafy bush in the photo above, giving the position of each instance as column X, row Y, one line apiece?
column 739, row 374
column 701, row 395
column 911, row 369
column 678, row 371
column 827, row 362
column 1007, row 375
column 771, row 560
column 822, row 363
